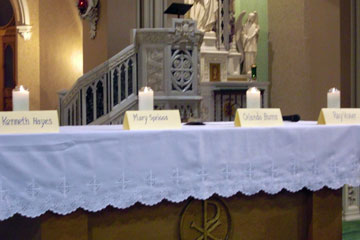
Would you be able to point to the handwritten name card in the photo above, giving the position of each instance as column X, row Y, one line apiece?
column 265, row 117
column 339, row 116
column 29, row 122
column 152, row 120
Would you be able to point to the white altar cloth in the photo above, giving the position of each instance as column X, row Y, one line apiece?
column 95, row 166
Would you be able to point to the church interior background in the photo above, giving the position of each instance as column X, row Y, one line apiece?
column 89, row 65
column 57, row 50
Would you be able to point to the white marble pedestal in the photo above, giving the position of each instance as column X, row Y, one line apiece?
column 234, row 60
column 351, row 209
column 210, row 57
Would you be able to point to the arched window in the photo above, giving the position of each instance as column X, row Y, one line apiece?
column 6, row 13
column 7, row 54
column 9, row 67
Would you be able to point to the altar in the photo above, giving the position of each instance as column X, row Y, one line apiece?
column 201, row 182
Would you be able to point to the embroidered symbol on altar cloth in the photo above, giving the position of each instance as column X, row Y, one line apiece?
column 123, row 181
column 64, row 187
column 150, row 179
column 177, row 177
column 33, row 189
column 227, row 172
column 3, row 191
column 203, row 174
column 94, row 185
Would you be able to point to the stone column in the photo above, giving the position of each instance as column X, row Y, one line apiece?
column 159, row 8
column 151, row 13
column 301, row 66
column 222, row 27
column 148, row 13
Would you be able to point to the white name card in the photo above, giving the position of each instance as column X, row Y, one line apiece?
column 262, row 117
column 152, row 120
column 339, row 116
column 29, row 122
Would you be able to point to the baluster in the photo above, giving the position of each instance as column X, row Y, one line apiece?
column 89, row 105
column 104, row 93
column 77, row 111
column 122, row 83
column 99, row 99
column 82, row 114
column 116, row 86
column 72, row 114
column 68, row 117
column 130, row 77
column 94, row 101
column 135, row 74
column 126, row 80
column 108, row 90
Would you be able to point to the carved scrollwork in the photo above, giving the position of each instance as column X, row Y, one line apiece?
column 184, row 32
column 24, row 31
column 182, row 73
column 186, row 111
column 159, row 106
column 155, row 58
column 92, row 15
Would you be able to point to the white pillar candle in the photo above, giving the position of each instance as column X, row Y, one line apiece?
column 20, row 99
column 253, row 98
column 333, row 98
column 146, row 99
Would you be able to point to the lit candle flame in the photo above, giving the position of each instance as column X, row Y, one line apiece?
column 147, row 89
column 253, row 90
column 334, row 90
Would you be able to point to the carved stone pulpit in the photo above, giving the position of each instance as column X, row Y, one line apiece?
column 168, row 63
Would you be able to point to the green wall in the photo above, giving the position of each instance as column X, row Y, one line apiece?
column 261, row 6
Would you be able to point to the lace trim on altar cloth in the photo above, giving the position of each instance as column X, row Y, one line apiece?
column 65, row 196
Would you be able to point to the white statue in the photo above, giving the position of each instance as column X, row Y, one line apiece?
column 204, row 12
column 247, row 36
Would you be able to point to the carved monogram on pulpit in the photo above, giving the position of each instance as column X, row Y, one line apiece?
column 205, row 220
